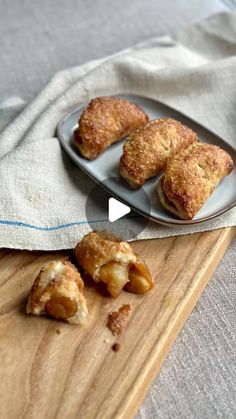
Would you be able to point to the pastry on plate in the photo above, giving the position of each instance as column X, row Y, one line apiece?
column 105, row 121
column 58, row 292
column 108, row 259
column 191, row 176
column 146, row 151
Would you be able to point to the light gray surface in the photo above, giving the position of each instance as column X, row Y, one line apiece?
column 40, row 37
column 198, row 378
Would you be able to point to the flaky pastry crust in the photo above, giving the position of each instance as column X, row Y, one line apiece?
column 58, row 292
column 191, row 176
column 108, row 259
column 147, row 150
column 105, row 121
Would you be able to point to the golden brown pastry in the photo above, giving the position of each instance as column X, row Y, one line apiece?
column 105, row 121
column 191, row 176
column 108, row 259
column 58, row 292
column 146, row 151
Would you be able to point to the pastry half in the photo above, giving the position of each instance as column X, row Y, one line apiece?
column 105, row 121
column 58, row 292
column 191, row 176
column 146, row 151
column 108, row 259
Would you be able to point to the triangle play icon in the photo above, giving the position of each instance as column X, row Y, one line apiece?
column 116, row 209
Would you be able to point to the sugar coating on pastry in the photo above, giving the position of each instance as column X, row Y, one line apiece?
column 58, row 292
column 147, row 150
column 108, row 259
column 191, row 176
column 105, row 121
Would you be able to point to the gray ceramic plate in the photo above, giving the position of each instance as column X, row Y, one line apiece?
column 107, row 166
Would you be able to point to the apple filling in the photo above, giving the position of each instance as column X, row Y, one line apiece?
column 61, row 308
column 135, row 278
column 115, row 276
column 140, row 280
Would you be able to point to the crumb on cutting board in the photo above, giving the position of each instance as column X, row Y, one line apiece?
column 117, row 319
column 116, row 347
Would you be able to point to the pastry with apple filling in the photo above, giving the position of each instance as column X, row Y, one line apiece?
column 105, row 121
column 108, row 259
column 191, row 176
column 147, row 150
column 58, row 292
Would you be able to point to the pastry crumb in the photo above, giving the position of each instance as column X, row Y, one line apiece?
column 116, row 347
column 58, row 331
column 117, row 319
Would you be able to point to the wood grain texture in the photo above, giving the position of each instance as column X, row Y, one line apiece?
column 50, row 369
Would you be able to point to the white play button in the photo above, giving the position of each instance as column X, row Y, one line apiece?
column 116, row 209
column 106, row 212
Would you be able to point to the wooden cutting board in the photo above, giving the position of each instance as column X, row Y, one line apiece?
column 50, row 369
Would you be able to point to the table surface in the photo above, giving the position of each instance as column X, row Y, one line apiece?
column 198, row 378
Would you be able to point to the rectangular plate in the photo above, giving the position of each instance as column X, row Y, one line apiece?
column 106, row 167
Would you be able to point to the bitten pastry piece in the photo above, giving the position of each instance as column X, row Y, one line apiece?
column 108, row 259
column 58, row 292
column 191, row 176
column 146, row 151
column 105, row 121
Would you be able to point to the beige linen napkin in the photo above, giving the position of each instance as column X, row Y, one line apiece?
column 43, row 193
